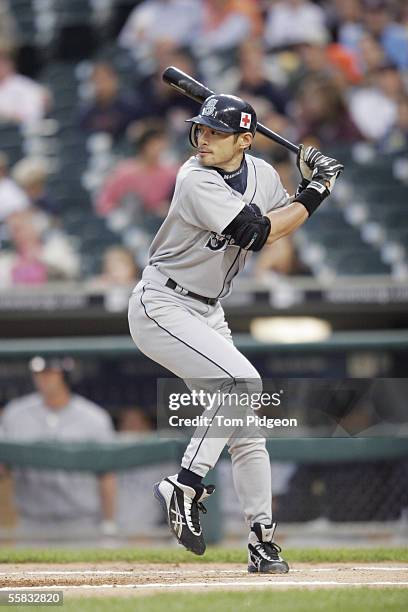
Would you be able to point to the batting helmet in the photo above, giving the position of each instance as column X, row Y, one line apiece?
column 224, row 113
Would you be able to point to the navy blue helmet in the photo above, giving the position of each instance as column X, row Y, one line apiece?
column 224, row 113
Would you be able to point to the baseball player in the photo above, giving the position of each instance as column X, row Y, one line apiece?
column 226, row 204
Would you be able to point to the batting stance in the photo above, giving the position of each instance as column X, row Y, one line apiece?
column 226, row 203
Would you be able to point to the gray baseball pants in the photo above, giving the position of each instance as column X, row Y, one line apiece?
column 192, row 340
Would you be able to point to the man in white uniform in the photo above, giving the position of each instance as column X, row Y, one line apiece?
column 59, row 502
column 226, row 203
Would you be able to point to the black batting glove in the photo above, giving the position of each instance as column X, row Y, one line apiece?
column 319, row 174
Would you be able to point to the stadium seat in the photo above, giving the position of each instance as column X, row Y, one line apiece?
column 383, row 194
column 332, row 220
column 398, row 235
column 348, row 237
column 11, row 141
column 346, row 261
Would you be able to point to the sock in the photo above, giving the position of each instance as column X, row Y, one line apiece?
column 189, row 478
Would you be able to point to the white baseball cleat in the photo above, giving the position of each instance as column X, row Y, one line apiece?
column 182, row 504
column 263, row 553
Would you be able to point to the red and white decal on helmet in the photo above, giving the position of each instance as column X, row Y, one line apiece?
column 245, row 120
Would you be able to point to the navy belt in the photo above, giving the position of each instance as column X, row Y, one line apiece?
column 173, row 285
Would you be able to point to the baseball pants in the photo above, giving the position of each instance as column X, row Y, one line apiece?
column 192, row 340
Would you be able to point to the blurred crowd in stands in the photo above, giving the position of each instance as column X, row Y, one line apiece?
column 87, row 175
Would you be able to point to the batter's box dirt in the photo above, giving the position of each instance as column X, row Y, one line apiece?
column 122, row 578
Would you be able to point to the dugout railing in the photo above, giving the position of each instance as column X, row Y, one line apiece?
column 127, row 455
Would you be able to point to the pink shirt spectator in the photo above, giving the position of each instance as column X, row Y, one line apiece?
column 152, row 185
column 27, row 271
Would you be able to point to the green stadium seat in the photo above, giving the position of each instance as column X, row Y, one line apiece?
column 331, row 220
column 385, row 194
column 393, row 217
column 399, row 235
column 353, row 262
column 349, row 237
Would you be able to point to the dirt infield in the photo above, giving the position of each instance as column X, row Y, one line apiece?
column 126, row 578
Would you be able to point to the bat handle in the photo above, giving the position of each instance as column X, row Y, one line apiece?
column 262, row 129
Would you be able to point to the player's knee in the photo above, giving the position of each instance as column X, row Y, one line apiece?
column 241, row 446
column 250, row 385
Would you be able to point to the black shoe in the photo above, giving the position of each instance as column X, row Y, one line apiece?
column 181, row 504
column 263, row 553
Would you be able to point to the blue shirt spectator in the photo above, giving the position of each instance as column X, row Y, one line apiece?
column 378, row 21
column 111, row 109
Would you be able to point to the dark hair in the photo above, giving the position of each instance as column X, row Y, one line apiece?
column 148, row 135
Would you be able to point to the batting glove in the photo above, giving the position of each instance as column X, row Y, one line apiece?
column 305, row 170
column 314, row 166
column 311, row 160
column 319, row 173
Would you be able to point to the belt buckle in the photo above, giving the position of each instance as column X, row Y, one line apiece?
column 179, row 289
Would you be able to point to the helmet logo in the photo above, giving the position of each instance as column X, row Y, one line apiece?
column 209, row 107
column 245, row 120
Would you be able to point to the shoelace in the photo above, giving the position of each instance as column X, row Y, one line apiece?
column 195, row 517
column 192, row 509
column 271, row 550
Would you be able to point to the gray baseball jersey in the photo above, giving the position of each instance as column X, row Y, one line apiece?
column 192, row 339
column 189, row 247
column 56, row 494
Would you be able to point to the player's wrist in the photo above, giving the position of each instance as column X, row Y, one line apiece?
column 312, row 196
column 304, row 183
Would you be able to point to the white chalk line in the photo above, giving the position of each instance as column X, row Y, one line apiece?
column 133, row 571
column 209, row 585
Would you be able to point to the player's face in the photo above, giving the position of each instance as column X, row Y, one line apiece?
column 220, row 149
column 49, row 381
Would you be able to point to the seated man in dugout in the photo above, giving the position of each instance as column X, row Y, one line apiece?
column 59, row 503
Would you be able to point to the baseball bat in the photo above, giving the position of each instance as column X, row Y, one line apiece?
column 191, row 88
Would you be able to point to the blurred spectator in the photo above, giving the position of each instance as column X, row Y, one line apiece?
column 254, row 80
column 349, row 15
column 31, row 174
column 379, row 22
column 174, row 21
column 134, row 420
column 144, row 177
column 396, row 139
column 318, row 59
column 226, row 24
column 58, row 499
column 289, row 21
column 163, row 102
column 372, row 55
column 37, row 256
column 280, row 257
column 374, row 107
column 22, row 100
column 8, row 25
column 12, row 198
column 118, row 268
column 323, row 114
column 111, row 110
column 403, row 13
column 4, row 165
